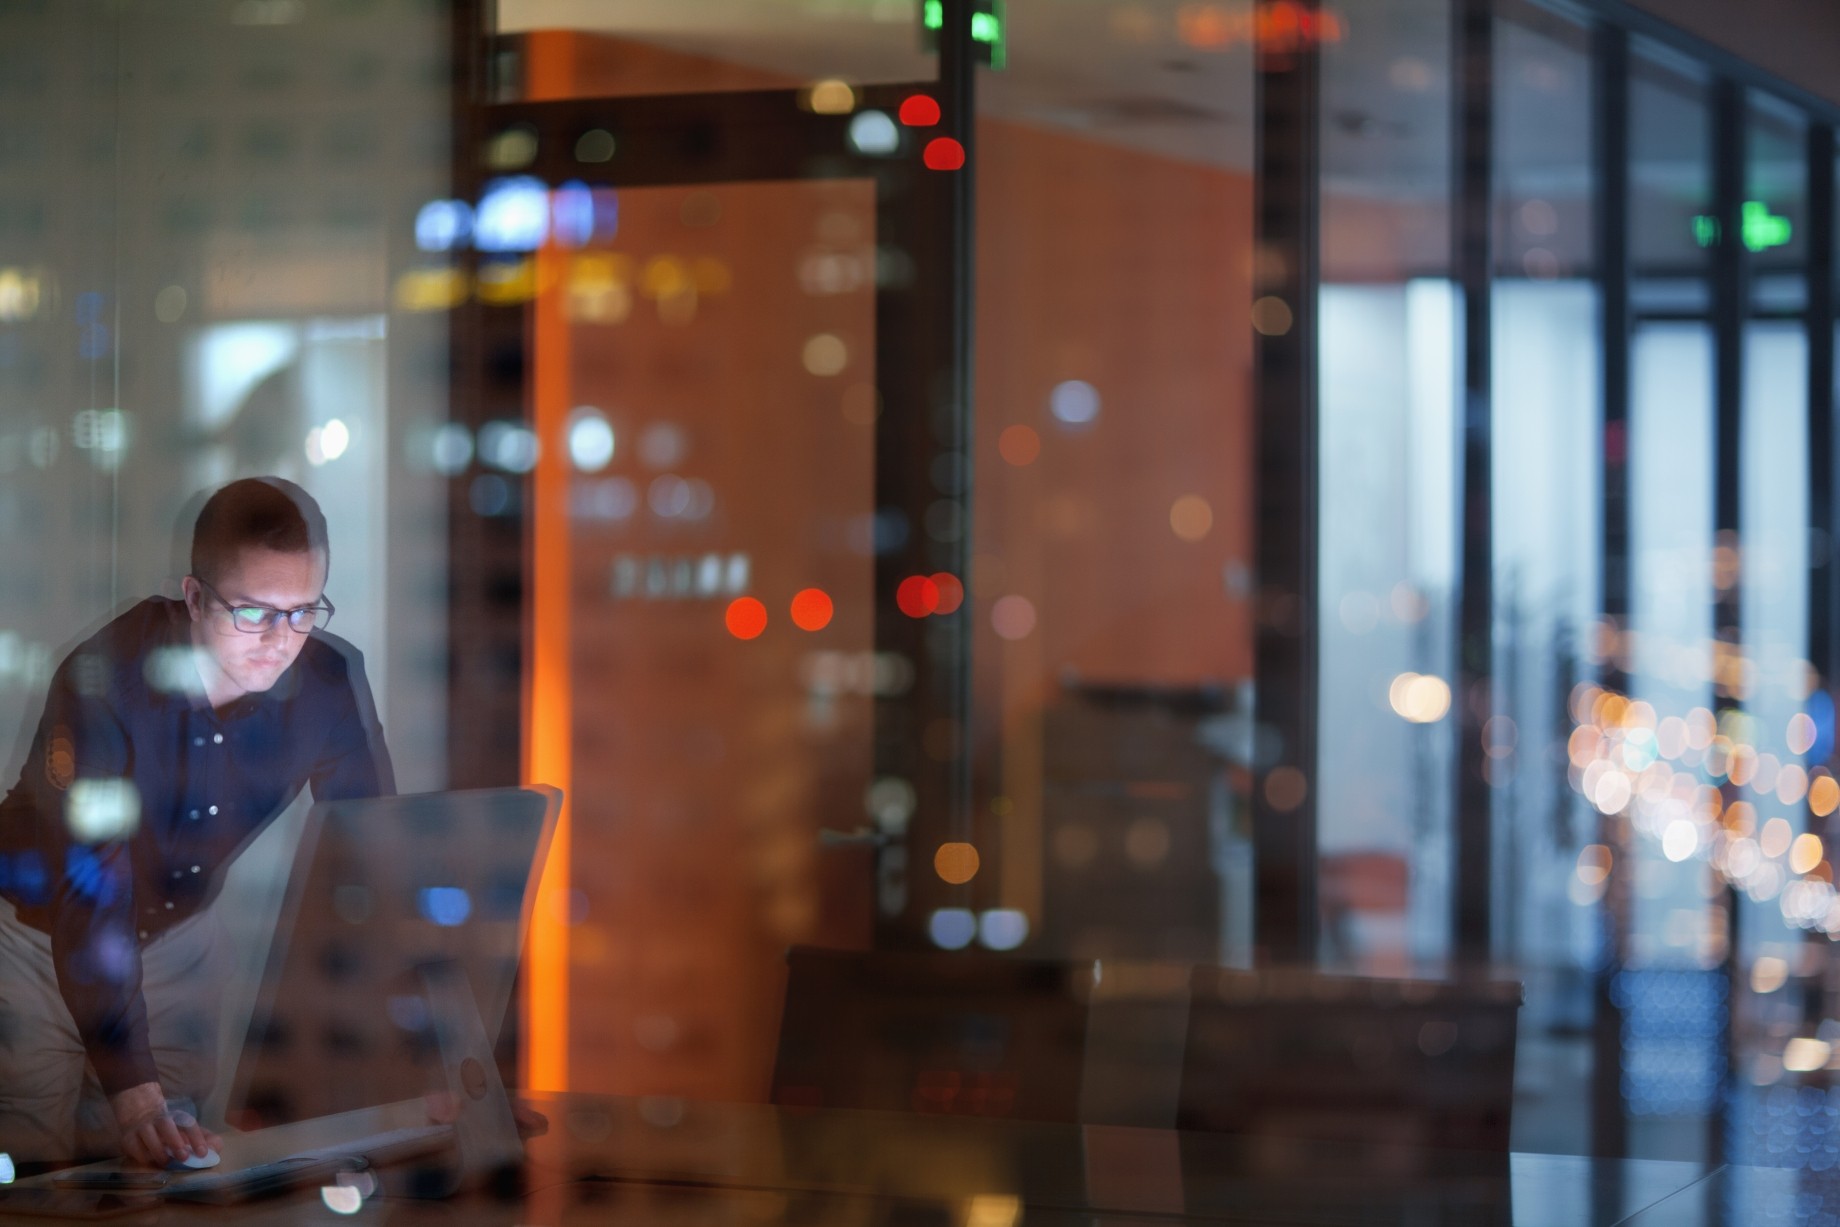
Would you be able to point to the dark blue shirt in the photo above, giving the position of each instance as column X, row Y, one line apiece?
column 136, row 794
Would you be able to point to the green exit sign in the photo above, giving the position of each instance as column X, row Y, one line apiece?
column 989, row 30
column 1761, row 228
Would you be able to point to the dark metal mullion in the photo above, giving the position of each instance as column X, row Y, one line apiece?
column 1823, row 600
column 1285, row 649
column 1824, row 520
column 1473, row 816
column 1730, row 299
column 958, row 67
column 1610, row 99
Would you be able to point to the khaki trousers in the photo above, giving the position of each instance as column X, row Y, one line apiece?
column 52, row 1108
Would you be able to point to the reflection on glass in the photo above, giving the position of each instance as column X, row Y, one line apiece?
column 1551, row 870
column 1387, row 555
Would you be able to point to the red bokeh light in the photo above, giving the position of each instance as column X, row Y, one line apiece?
column 919, row 111
column 917, row 596
column 951, row 592
column 812, row 609
column 746, row 618
column 943, row 153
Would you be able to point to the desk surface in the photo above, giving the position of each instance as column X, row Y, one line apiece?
column 662, row 1161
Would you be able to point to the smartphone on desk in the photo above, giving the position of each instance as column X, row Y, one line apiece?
column 41, row 1202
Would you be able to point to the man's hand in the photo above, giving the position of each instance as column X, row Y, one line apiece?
column 152, row 1134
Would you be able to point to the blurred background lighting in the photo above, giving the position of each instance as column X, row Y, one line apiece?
column 341, row 1199
column 595, row 145
column 952, row 928
column 956, row 862
column 510, row 446
column 943, row 153
column 328, row 442
column 1805, row 853
column 1003, row 928
column 443, row 225
column 450, row 449
column 826, row 355
column 513, row 215
column 1019, row 445
column 591, row 442
column 1191, row 518
column 1801, row 733
column 1013, row 617
column 447, row 906
column 169, row 304
column 1074, row 402
column 1419, row 697
column 1271, row 316
column 811, row 609
column 7, row 1170
column 746, row 618
column 951, row 592
column 571, row 215
column 873, row 134
column 831, row 97
column 99, row 810
column 917, row 596
column 1679, row 840
column 919, row 111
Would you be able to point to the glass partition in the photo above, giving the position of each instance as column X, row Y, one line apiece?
column 1390, row 317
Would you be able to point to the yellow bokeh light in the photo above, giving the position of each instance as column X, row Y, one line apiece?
column 993, row 1210
column 433, row 289
column 1805, row 853
column 1768, row 974
column 1824, row 795
column 956, row 863
column 1419, row 697
column 831, row 97
column 1191, row 517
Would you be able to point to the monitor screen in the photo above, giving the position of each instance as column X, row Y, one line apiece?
column 380, row 887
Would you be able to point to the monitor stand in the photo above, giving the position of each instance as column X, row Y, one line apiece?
column 491, row 1154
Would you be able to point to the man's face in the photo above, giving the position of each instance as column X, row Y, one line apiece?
column 247, row 661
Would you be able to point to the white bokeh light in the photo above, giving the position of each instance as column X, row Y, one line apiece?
column 591, row 441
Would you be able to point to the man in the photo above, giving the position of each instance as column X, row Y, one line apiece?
column 169, row 739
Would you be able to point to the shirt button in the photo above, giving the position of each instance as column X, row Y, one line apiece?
column 169, row 905
column 218, row 738
column 213, row 809
column 194, row 870
column 143, row 934
column 197, row 741
column 193, row 815
column 178, row 873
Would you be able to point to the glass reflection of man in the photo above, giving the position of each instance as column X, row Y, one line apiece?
column 169, row 739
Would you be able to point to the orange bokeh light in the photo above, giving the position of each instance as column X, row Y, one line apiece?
column 919, row 111
column 812, row 609
column 917, row 596
column 943, row 153
column 746, row 618
column 1019, row 445
column 951, row 592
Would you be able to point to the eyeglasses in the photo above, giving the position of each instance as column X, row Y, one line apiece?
column 255, row 619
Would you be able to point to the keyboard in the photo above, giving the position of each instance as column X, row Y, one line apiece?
column 316, row 1166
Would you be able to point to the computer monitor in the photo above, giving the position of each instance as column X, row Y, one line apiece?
column 380, row 889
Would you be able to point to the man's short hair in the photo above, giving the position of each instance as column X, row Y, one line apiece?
column 267, row 513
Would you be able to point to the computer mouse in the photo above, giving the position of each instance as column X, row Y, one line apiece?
column 194, row 1162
